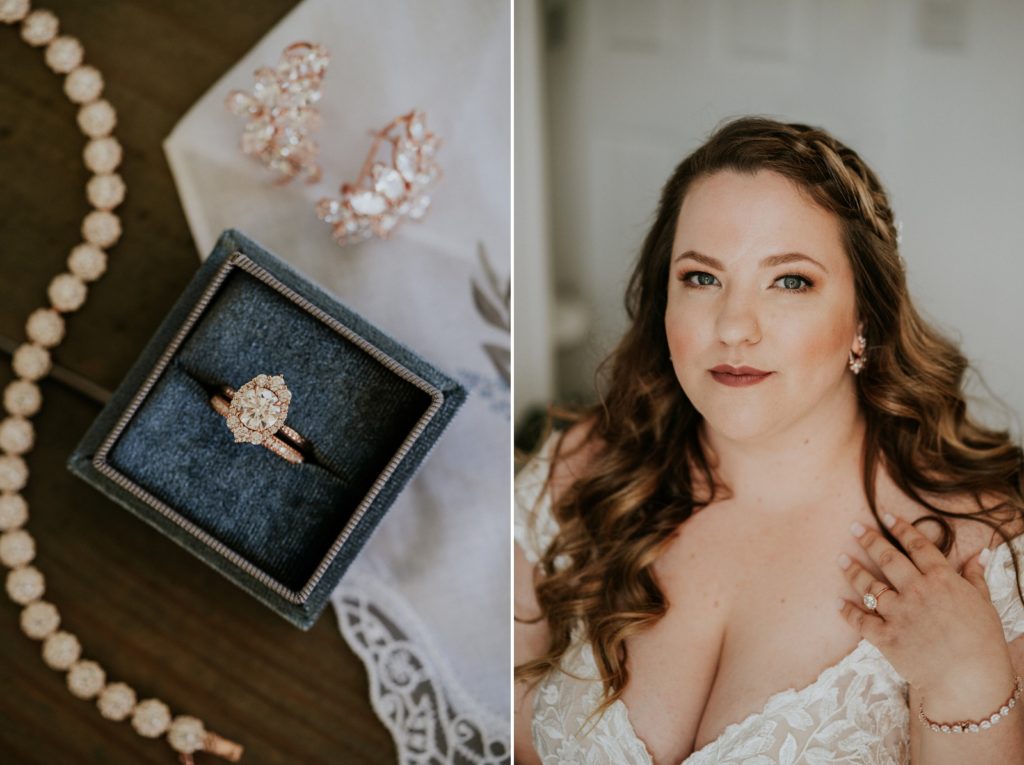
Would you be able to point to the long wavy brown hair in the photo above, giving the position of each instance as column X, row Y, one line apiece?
column 631, row 496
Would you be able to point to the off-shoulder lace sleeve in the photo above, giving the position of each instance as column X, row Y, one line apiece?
column 1000, row 576
column 535, row 526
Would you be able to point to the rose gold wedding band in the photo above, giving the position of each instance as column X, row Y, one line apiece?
column 275, row 444
column 289, row 435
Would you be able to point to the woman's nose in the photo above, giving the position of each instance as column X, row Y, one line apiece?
column 737, row 321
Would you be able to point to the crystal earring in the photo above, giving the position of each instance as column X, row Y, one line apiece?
column 282, row 114
column 856, row 363
column 390, row 187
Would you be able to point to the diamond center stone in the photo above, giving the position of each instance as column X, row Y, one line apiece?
column 259, row 408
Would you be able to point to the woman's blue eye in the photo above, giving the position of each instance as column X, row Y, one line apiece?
column 701, row 276
column 791, row 283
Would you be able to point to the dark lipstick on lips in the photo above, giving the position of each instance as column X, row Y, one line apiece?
column 737, row 377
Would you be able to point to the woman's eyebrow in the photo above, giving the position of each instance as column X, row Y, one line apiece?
column 768, row 262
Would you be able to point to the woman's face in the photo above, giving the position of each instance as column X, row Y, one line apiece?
column 759, row 278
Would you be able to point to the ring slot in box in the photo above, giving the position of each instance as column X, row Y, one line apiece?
column 370, row 409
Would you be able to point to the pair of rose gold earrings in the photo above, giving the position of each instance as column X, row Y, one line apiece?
column 394, row 184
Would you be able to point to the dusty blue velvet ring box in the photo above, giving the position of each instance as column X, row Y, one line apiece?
column 370, row 408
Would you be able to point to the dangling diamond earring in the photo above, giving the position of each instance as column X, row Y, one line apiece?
column 282, row 113
column 394, row 185
column 856, row 363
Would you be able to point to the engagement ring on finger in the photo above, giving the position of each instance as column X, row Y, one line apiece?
column 871, row 601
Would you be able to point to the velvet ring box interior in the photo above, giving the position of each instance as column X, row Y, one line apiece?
column 369, row 408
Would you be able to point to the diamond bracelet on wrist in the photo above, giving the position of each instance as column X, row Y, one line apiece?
column 973, row 726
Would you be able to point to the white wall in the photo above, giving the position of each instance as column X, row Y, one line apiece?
column 929, row 93
column 533, row 357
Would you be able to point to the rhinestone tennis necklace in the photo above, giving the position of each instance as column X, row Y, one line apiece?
column 22, row 400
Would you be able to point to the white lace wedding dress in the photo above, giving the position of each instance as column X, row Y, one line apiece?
column 855, row 712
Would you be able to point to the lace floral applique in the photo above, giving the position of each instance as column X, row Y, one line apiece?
column 430, row 720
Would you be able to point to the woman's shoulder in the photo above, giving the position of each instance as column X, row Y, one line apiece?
column 562, row 457
column 575, row 451
column 559, row 462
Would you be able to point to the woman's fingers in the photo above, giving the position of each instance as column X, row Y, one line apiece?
column 862, row 580
column 897, row 567
column 868, row 625
column 974, row 572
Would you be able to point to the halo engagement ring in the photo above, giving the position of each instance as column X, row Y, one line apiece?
column 871, row 601
column 256, row 412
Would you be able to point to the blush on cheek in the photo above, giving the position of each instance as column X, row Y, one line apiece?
column 680, row 341
column 824, row 344
column 684, row 348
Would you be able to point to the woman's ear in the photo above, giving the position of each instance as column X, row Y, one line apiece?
column 857, row 347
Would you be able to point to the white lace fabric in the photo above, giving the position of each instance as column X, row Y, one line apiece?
column 431, row 716
column 855, row 712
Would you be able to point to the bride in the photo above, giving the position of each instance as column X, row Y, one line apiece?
column 781, row 434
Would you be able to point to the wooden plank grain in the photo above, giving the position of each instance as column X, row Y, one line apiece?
column 148, row 611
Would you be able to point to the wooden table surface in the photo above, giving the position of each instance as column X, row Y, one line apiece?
column 150, row 613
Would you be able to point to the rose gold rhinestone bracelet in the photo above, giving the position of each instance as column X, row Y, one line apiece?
column 974, row 726
column 22, row 399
